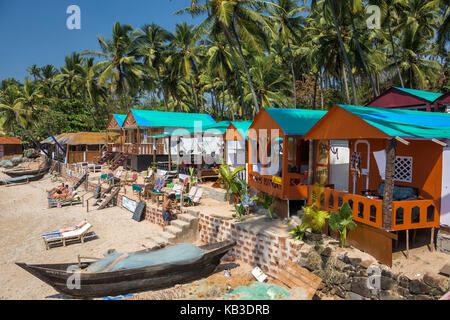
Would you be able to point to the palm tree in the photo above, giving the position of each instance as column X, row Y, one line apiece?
column 184, row 55
column 152, row 48
column 287, row 25
column 239, row 22
column 120, row 66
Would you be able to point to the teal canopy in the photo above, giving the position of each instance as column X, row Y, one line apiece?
column 217, row 129
column 242, row 127
column 427, row 95
column 152, row 118
column 404, row 123
column 295, row 121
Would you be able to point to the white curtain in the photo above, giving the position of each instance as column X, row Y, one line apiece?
column 380, row 157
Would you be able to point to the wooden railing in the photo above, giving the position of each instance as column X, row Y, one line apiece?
column 296, row 188
column 114, row 147
column 144, row 148
column 365, row 210
column 415, row 214
column 265, row 184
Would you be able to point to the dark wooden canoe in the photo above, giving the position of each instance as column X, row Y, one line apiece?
column 125, row 281
column 18, row 173
column 22, row 179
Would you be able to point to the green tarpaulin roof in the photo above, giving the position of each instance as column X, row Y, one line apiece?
column 295, row 121
column 242, row 127
column 427, row 95
column 404, row 123
column 120, row 118
column 151, row 118
column 217, row 128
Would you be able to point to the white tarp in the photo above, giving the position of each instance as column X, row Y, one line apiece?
column 380, row 157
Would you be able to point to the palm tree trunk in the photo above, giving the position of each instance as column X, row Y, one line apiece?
column 37, row 143
column 233, row 56
column 48, row 131
column 393, row 47
column 294, row 89
column 344, row 52
column 345, row 83
column 247, row 72
column 194, row 96
column 361, row 55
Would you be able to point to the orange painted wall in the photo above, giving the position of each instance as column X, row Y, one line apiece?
column 427, row 167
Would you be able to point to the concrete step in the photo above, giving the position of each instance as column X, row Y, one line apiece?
column 173, row 230
column 159, row 240
column 168, row 237
column 186, row 218
column 183, row 225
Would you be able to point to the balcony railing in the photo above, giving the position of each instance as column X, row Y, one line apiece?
column 415, row 214
column 142, row 149
column 265, row 184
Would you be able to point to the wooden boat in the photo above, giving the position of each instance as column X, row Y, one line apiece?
column 23, row 179
column 113, row 283
column 20, row 172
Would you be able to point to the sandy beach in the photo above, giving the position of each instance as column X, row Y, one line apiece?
column 24, row 216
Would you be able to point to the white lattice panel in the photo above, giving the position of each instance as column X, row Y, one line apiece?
column 403, row 169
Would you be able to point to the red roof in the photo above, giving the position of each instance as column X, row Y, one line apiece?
column 10, row 140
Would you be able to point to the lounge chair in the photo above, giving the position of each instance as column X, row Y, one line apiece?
column 133, row 179
column 149, row 176
column 74, row 234
column 195, row 200
column 156, row 193
column 76, row 199
column 177, row 190
column 188, row 198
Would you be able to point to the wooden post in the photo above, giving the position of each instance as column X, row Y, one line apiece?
column 170, row 155
column 138, row 141
column 310, row 169
column 432, row 240
column 389, row 183
column 178, row 156
column 154, row 150
column 284, row 167
column 407, row 244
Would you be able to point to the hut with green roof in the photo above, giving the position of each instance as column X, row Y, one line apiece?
column 411, row 99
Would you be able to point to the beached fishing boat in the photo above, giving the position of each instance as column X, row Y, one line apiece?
column 113, row 281
column 23, row 172
column 22, row 179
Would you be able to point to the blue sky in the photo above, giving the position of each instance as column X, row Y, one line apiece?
column 35, row 32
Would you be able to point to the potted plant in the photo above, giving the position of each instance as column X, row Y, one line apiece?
column 342, row 222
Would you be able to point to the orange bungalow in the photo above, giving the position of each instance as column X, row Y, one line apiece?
column 399, row 172
column 411, row 99
column 278, row 155
column 236, row 143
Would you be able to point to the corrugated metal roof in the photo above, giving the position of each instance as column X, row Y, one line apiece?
column 404, row 123
column 152, row 118
column 120, row 118
column 427, row 95
column 295, row 121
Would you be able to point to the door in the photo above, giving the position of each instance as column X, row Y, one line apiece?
column 1, row 151
column 339, row 164
column 361, row 182
column 445, row 196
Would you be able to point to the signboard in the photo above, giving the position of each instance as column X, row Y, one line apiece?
column 140, row 210
column 128, row 204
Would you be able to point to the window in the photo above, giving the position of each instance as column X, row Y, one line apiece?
column 403, row 169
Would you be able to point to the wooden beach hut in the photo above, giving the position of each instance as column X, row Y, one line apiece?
column 278, row 155
column 410, row 99
column 140, row 126
column 236, row 145
column 80, row 146
column 10, row 146
column 399, row 172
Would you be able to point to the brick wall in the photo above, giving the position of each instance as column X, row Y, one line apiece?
column 257, row 248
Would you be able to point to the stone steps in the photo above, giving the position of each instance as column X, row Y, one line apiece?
column 184, row 229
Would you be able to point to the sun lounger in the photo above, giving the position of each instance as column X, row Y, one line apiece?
column 61, row 203
column 76, row 235
column 195, row 200
column 133, row 179
column 188, row 198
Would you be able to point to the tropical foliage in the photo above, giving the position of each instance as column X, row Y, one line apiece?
column 342, row 222
column 244, row 55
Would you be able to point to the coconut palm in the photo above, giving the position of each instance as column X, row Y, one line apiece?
column 120, row 69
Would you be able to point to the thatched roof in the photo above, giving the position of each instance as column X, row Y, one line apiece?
column 82, row 138
column 10, row 140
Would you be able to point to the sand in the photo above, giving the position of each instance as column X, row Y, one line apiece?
column 24, row 216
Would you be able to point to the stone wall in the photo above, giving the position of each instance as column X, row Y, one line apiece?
column 344, row 275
